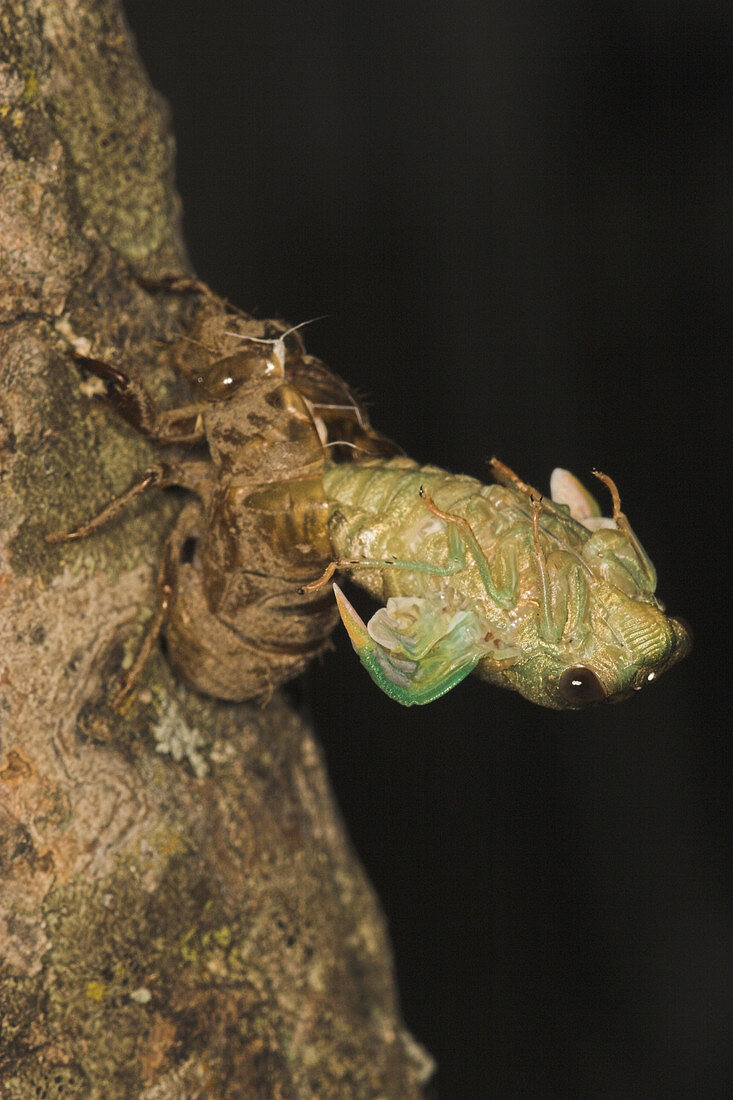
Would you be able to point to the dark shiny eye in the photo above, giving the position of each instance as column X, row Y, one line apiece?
column 580, row 685
column 224, row 377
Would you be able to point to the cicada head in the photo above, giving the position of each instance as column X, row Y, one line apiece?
column 603, row 633
column 630, row 645
column 634, row 642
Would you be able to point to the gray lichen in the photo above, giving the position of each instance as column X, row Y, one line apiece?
column 174, row 736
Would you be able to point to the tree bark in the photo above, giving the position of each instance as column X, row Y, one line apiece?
column 181, row 914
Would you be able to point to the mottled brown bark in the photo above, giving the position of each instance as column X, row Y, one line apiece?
column 181, row 914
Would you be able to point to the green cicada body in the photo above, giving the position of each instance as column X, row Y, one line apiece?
column 545, row 597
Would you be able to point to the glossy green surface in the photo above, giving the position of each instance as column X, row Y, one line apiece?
column 469, row 585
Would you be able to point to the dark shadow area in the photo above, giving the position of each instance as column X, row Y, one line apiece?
column 517, row 217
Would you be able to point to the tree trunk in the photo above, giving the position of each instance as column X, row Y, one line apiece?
column 181, row 914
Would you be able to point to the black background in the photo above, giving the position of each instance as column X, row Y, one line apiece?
column 517, row 214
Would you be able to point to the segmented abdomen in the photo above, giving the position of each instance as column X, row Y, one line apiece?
column 376, row 513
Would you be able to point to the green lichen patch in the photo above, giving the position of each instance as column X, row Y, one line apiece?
column 23, row 125
column 136, row 978
column 259, row 954
column 96, row 94
column 110, row 941
column 272, row 973
column 21, row 105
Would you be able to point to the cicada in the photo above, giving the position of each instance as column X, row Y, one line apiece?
column 289, row 484
column 545, row 597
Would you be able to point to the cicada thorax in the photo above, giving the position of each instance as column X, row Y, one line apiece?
column 272, row 417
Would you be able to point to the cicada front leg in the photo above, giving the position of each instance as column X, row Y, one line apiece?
column 460, row 540
column 456, row 562
column 179, row 426
column 155, row 476
column 505, row 595
column 191, row 474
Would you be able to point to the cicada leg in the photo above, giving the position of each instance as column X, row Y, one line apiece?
column 132, row 401
column 562, row 586
column 623, row 525
column 549, row 631
column 155, row 476
column 188, row 475
column 456, row 562
column 505, row 476
column 505, row 596
column 186, row 527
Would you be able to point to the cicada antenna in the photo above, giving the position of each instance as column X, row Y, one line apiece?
column 278, row 339
column 278, row 342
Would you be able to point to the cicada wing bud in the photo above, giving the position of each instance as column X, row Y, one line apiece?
column 566, row 489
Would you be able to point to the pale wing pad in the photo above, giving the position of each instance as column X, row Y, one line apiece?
column 416, row 649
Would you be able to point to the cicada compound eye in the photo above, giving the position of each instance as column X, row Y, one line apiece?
column 580, row 685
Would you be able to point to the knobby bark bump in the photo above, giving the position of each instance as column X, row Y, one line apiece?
column 181, row 914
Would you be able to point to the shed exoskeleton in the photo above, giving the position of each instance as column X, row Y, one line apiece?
column 289, row 484
column 262, row 418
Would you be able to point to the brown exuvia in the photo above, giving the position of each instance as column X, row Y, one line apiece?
column 263, row 418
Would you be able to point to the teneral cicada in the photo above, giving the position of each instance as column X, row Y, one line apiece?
column 289, row 483
column 545, row 597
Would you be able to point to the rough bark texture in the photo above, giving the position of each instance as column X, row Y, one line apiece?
column 181, row 914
